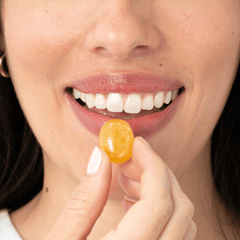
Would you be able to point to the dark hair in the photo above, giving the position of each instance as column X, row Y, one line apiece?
column 21, row 163
column 225, row 160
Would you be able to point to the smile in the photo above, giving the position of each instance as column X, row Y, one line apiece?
column 146, row 101
column 132, row 104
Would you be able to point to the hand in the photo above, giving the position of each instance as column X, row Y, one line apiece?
column 163, row 211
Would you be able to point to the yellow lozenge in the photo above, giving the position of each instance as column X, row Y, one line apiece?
column 116, row 139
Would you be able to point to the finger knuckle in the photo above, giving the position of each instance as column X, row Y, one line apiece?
column 187, row 207
column 78, row 202
column 165, row 210
column 193, row 230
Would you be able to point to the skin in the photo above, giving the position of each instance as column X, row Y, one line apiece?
column 49, row 44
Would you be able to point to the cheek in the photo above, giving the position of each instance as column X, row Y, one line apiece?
column 205, row 37
column 205, row 40
column 43, row 34
column 38, row 40
column 36, row 43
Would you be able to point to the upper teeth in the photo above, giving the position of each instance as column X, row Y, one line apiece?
column 130, row 103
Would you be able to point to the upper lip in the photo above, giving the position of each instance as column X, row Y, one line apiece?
column 126, row 83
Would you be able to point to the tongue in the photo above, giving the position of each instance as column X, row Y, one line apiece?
column 124, row 115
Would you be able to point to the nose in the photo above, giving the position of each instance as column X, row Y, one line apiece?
column 123, row 27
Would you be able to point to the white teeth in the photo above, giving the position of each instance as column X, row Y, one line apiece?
column 76, row 94
column 158, row 101
column 147, row 103
column 174, row 94
column 100, row 102
column 167, row 97
column 133, row 104
column 90, row 100
column 84, row 97
column 115, row 102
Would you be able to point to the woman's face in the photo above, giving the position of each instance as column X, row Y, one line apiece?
column 133, row 46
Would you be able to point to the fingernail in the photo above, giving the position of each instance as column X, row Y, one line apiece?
column 145, row 141
column 130, row 199
column 95, row 161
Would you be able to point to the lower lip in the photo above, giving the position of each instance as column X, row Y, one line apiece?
column 144, row 126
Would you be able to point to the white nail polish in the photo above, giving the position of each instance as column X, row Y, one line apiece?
column 95, row 161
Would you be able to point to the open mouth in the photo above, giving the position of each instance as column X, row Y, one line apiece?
column 125, row 106
column 146, row 101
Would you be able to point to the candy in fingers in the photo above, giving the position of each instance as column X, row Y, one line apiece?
column 154, row 208
column 116, row 139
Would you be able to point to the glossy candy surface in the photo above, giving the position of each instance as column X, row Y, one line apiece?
column 116, row 139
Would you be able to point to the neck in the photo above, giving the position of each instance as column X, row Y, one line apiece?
column 197, row 183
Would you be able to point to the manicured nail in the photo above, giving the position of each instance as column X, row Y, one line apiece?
column 145, row 141
column 95, row 161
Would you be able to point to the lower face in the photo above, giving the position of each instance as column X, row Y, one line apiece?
column 56, row 49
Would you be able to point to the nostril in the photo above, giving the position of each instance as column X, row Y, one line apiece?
column 142, row 46
column 99, row 48
column 111, row 52
column 139, row 49
column 122, row 35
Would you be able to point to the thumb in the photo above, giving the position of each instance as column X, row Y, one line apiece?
column 86, row 202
